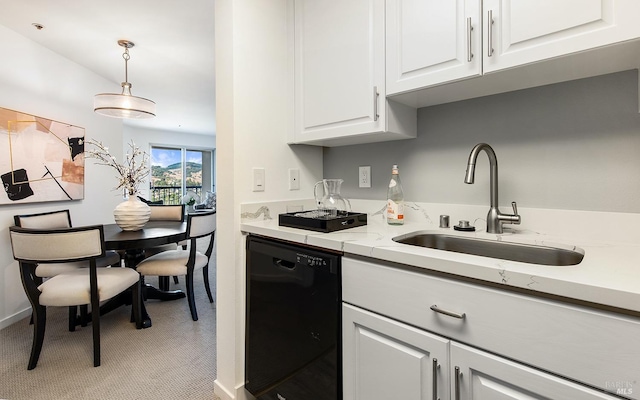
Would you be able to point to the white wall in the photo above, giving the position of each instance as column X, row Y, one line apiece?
column 571, row 145
column 36, row 81
column 254, row 103
column 145, row 138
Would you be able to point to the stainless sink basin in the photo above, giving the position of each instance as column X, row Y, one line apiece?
column 532, row 254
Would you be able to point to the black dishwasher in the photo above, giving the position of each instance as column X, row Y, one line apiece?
column 292, row 342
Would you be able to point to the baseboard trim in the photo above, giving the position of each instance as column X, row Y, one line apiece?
column 221, row 391
column 238, row 394
column 12, row 319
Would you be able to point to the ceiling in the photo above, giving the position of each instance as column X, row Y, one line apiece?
column 172, row 62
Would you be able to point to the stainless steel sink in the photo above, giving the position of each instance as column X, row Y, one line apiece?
column 532, row 254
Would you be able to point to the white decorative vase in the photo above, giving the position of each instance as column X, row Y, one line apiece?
column 132, row 214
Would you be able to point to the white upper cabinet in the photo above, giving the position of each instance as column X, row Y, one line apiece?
column 432, row 41
column 339, row 88
column 434, row 46
column 526, row 31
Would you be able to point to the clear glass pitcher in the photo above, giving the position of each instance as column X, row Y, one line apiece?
column 329, row 198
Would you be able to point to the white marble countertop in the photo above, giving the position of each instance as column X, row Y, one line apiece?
column 609, row 273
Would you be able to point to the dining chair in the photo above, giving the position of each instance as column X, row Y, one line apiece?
column 181, row 262
column 166, row 212
column 82, row 286
column 54, row 220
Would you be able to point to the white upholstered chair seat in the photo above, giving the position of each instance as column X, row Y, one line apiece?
column 80, row 287
column 73, row 288
column 200, row 226
column 165, row 212
column 48, row 270
column 170, row 263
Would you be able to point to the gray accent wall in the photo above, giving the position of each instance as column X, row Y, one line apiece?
column 573, row 145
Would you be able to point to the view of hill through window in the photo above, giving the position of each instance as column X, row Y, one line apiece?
column 168, row 174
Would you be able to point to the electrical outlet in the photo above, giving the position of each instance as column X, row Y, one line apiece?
column 364, row 176
column 258, row 179
column 294, row 179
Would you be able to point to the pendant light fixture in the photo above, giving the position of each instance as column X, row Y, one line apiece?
column 124, row 105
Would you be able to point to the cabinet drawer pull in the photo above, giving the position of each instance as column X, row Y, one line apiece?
column 375, row 103
column 456, row 386
column 449, row 313
column 469, row 29
column 435, row 379
column 490, row 34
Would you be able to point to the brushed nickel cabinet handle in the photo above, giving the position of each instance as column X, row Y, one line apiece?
column 457, row 383
column 490, row 34
column 435, row 379
column 449, row 313
column 469, row 29
column 375, row 103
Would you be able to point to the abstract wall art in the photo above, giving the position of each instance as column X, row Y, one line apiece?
column 40, row 159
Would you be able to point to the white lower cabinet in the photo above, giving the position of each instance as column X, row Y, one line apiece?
column 385, row 359
column 412, row 335
column 480, row 375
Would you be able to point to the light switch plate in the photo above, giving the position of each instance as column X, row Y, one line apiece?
column 364, row 176
column 258, row 180
column 294, row 179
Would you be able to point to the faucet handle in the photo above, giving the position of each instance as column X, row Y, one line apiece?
column 516, row 218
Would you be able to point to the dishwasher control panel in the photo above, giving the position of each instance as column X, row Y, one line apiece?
column 311, row 260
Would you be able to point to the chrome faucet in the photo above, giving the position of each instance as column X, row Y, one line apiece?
column 495, row 218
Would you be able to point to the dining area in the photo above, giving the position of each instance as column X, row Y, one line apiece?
column 137, row 357
column 173, row 359
column 46, row 116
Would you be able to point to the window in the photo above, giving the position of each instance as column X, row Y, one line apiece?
column 176, row 171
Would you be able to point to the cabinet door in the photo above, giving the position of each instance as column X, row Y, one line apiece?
column 519, row 32
column 479, row 375
column 339, row 68
column 432, row 41
column 384, row 359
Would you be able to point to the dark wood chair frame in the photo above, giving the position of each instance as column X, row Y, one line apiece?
column 73, row 310
column 163, row 281
column 30, row 284
column 191, row 264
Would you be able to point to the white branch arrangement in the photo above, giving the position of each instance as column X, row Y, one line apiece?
column 130, row 173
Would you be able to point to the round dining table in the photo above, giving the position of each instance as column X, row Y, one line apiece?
column 133, row 243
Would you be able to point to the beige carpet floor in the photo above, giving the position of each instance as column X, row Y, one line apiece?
column 173, row 359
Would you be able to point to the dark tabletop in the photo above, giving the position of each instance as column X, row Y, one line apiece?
column 154, row 233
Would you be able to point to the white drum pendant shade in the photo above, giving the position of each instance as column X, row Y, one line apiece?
column 123, row 106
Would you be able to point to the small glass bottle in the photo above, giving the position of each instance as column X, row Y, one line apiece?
column 395, row 199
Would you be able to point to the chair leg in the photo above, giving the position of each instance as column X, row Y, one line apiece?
column 190, row 296
column 175, row 280
column 38, row 281
column 73, row 313
column 136, row 304
column 84, row 315
column 163, row 282
column 205, row 273
column 39, row 315
column 95, row 322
